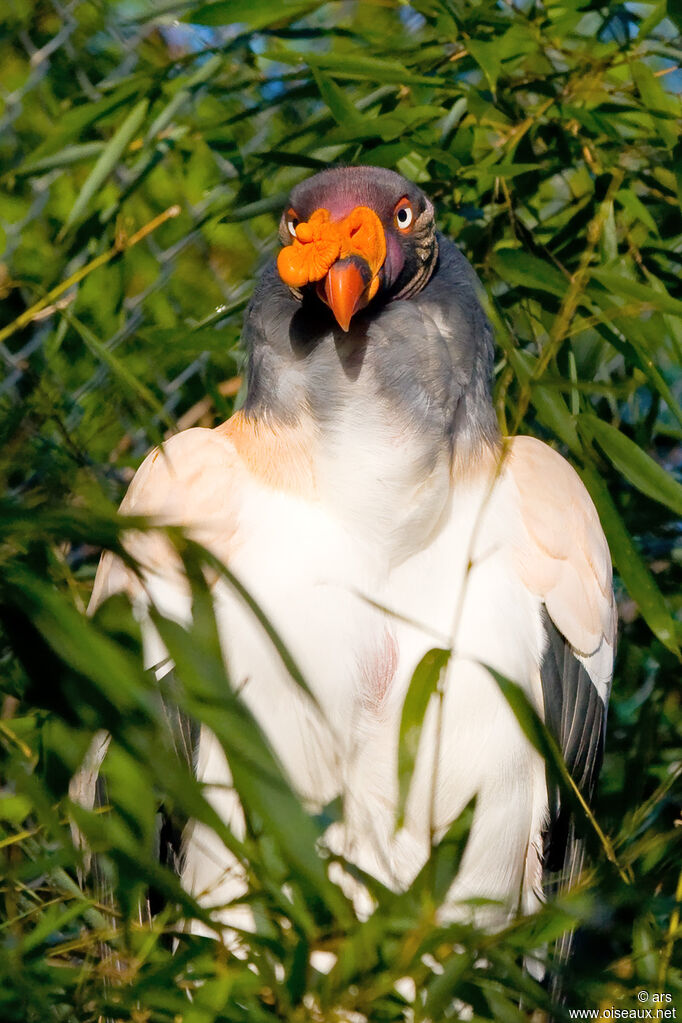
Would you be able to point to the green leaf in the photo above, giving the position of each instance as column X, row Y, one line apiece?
column 663, row 108
column 373, row 69
column 73, row 123
column 677, row 159
column 205, row 72
column 487, row 56
column 634, row 348
column 255, row 14
column 526, row 271
column 53, row 921
column 14, row 808
column 388, row 127
column 413, row 165
column 120, row 370
column 66, row 157
column 502, row 1007
column 343, row 111
column 636, row 466
column 504, row 169
column 551, row 408
column 269, row 204
column 636, row 208
column 443, row 987
column 655, row 16
column 78, row 643
column 423, row 685
column 623, row 287
column 107, row 161
column 634, row 572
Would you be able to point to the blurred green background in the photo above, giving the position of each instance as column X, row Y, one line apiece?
column 146, row 150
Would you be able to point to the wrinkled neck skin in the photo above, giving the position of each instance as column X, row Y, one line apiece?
column 396, row 407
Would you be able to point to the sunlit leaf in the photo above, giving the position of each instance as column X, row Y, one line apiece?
column 630, row 564
column 487, row 56
column 663, row 109
column 107, row 160
column 528, row 271
column 648, row 296
column 343, row 110
column 637, row 467
column 254, row 13
column 423, row 686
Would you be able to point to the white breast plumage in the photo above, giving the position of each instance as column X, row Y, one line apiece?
column 323, row 588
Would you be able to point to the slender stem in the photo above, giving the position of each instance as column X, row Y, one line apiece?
column 120, row 245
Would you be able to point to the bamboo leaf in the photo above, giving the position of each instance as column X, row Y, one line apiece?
column 526, row 271
column 636, row 466
column 662, row 107
column 343, row 111
column 373, row 69
column 78, row 642
column 165, row 116
column 74, row 122
column 674, row 8
column 487, row 56
column 256, row 14
column 539, row 736
column 434, row 880
column 53, row 921
column 66, row 157
column 108, row 159
column 120, row 370
column 551, row 408
column 644, row 293
column 439, row 997
column 634, row 348
column 423, row 686
column 633, row 570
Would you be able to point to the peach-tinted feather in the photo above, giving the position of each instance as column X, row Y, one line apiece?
column 281, row 457
column 566, row 560
column 196, row 480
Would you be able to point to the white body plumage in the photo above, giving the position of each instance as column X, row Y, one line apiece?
column 322, row 579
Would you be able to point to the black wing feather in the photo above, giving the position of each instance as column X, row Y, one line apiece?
column 575, row 714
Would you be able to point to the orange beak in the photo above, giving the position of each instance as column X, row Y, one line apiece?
column 344, row 289
column 344, row 256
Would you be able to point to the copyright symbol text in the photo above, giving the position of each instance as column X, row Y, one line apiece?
column 643, row 996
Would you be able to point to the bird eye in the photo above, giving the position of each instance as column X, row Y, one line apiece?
column 292, row 223
column 403, row 215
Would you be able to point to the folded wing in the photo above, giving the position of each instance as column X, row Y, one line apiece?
column 564, row 559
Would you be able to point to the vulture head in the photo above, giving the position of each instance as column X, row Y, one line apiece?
column 354, row 234
column 368, row 310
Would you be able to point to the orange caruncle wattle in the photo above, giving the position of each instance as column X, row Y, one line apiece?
column 363, row 235
column 316, row 246
column 319, row 242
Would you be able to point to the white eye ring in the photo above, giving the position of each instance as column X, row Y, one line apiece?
column 291, row 226
column 403, row 217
